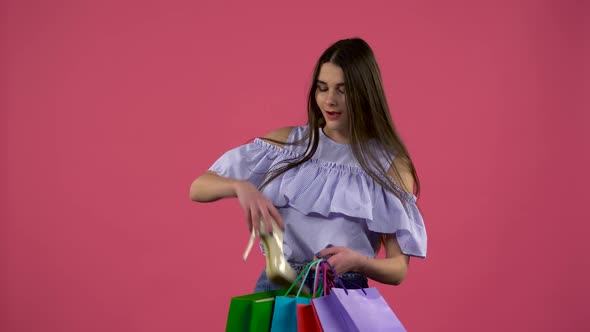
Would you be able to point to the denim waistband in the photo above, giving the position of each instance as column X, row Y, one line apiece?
column 351, row 280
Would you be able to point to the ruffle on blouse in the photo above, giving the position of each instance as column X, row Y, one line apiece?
column 324, row 188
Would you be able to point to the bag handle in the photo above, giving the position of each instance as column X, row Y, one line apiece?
column 338, row 279
column 308, row 268
column 296, row 280
column 316, row 291
column 304, row 272
column 315, row 279
column 324, row 272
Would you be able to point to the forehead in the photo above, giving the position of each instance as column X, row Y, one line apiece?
column 331, row 74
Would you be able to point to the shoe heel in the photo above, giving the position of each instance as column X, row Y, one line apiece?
column 278, row 270
column 250, row 245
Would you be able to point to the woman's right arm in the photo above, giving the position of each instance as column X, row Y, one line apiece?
column 210, row 187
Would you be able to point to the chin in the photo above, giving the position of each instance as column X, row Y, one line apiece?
column 335, row 126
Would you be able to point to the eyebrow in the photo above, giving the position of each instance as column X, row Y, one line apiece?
column 322, row 82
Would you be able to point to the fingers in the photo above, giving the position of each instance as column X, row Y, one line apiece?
column 266, row 219
column 313, row 266
column 330, row 251
column 277, row 216
column 340, row 258
column 260, row 219
column 255, row 219
column 248, row 215
column 259, row 212
column 329, row 271
column 269, row 213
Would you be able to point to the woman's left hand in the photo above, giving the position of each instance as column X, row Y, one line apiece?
column 344, row 259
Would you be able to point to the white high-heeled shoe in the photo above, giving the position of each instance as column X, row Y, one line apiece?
column 278, row 270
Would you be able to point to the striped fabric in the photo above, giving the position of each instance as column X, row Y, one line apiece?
column 328, row 200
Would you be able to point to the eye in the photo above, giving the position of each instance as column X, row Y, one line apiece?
column 341, row 91
column 322, row 88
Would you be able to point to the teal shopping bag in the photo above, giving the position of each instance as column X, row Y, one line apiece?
column 284, row 318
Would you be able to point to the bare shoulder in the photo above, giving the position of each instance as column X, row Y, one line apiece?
column 279, row 136
column 403, row 177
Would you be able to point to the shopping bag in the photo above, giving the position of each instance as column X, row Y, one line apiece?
column 285, row 313
column 284, row 317
column 356, row 310
column 329, row 314
column 324, row 307
column 307, row 320
column 252, row 312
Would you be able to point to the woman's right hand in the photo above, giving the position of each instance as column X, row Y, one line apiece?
column 257, row 208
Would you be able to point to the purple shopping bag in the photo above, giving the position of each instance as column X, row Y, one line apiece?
column 328, row 309
column 330, row 314
column 356, row 311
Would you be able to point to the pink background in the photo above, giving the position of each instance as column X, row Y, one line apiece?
column 109, row 109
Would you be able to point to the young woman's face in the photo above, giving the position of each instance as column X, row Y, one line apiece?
column 331, row 98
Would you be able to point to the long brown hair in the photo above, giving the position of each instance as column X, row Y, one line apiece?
column 368, row 114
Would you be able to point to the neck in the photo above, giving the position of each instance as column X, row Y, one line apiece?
column 339, row 136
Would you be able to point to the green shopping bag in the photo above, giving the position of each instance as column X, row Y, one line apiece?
column 252, row 312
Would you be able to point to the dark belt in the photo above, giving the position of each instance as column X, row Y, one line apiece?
column 351, row 280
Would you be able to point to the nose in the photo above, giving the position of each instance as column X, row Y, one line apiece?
column 331, row 98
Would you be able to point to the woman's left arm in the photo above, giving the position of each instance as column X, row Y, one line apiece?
column 389, row 270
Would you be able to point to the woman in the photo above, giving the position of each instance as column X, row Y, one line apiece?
column 340, row 187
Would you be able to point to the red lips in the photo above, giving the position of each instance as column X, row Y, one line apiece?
column 333, row 115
